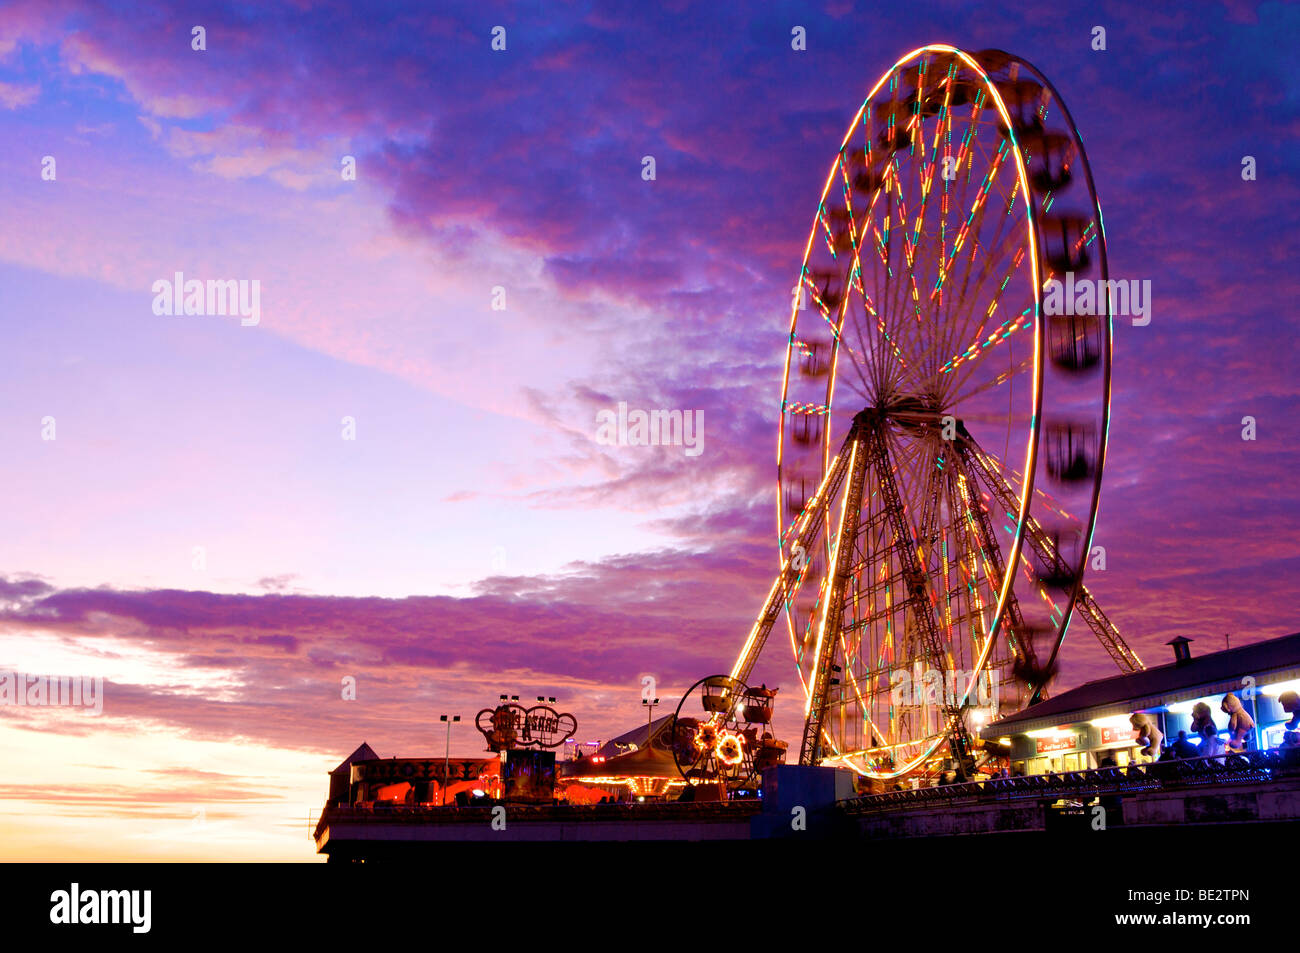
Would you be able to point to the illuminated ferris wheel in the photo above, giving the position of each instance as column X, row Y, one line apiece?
column 941, row 438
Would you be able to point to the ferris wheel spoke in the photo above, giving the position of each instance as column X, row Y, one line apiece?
column 1010, row 252
column 969, row 313
column 998, row 321
column 965, row 231
column 878, row 259
column 991, row 198
column 938, row 275
column 862, row 357
column 863, row 392
column 1013, row 480
column 887, row 351
column 962, row 394
column 892, row 276
column 902, row 317
column 960, row 326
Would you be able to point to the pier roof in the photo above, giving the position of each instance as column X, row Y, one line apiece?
column 1200, row 675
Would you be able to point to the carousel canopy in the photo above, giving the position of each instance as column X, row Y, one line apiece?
column 652, row 762
column 633, row 754
column 636, row 737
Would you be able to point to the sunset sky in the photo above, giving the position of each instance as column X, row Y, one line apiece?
column 475, row 538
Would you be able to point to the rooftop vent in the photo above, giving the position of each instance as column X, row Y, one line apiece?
column 1182, row 649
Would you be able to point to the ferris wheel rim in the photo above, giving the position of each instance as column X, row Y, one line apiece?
column 1033, row 435
column 1030, row 227
column 1108, row 360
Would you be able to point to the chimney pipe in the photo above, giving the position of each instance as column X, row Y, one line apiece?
column 1182, row 649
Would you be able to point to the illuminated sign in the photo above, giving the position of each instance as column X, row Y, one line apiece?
column 1061, row 743
column 512, row 726
column 529, row 776
column 393, row 770
column 1111, row 736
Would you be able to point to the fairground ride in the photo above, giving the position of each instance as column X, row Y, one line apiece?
column 941, row 436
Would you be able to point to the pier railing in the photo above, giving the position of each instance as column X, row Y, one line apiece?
column 1232, row 768
column 482, row 814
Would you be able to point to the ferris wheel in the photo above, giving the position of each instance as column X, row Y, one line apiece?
column 941, row 435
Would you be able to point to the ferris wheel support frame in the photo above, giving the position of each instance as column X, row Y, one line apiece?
column 867, row 440
column 815, row 709
column 1107, row 634
column 867, row 436
column 787, row 580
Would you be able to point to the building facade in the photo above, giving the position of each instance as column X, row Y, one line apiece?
column 1092, row 725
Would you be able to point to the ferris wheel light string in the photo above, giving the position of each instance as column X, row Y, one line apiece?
column 821, row 630
column 784, row 563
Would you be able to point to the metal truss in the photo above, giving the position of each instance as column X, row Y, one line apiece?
column 1045, row 549
column 790, row 578
column 870, row 452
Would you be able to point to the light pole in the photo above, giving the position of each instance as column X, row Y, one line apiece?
column 446, row 760
column 650, row 705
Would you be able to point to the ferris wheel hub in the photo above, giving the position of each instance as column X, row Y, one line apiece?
column 910, row 412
